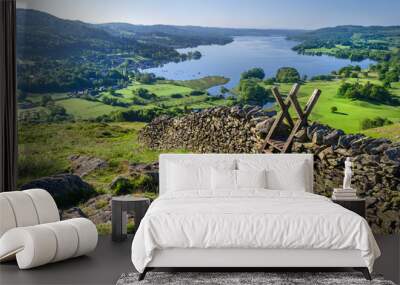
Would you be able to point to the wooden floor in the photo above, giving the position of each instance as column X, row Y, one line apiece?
column 110, row 259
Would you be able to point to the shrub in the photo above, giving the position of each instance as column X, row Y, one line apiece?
column 252, row 93
column 130, row 227
column 368, row 92
column 375, row 123
column 104, row 228
column 324, row 77
column 287, row 75
column 144, row 183
column 122, row 186
column 334, row 109
column 144, row 94
column 196, row 93
column 101, row 203
column 270, row 81
column 253, row 73
column 145, row 78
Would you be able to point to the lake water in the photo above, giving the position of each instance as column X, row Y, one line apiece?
column 269, row 53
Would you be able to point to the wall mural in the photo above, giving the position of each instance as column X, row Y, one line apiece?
column 99, row 99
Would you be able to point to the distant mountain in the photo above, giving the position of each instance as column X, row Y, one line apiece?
column 345, row 33
column 186, row 36
column 41, row 34
column 130, row 29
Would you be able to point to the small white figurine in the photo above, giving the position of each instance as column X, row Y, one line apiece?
column 347, row 174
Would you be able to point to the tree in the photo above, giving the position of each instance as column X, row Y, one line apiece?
column 22, row 96
column 270, row 81
column 287, row 75
column 374, row 123
column 146, row 78
column 368, row 92
column 253, row 73
column 251, row 92
column 46, row 99
column 196, row 55
column 112, row 91
column 334, row 109
column 224, row 90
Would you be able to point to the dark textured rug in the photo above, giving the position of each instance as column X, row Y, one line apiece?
column 243, row 278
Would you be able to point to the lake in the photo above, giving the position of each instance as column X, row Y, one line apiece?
column 269, row 53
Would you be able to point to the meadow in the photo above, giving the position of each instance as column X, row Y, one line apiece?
column 45, row 149
column 350, row 113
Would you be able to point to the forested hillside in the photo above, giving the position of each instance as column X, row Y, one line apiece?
column 354, row 42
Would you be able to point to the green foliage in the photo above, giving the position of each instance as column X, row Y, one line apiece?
column 334, row 109
column 101, row 203
column 21, row 96
column 44, row 149
column 139, row 115
column 34, row 166
column 144, row 94
column 196, row 93
column 349, row 71
column 46, row 99
column 253, row 73
column 104, row 228
column 113, row 101
column 367, row 92
column 145, row 78
column 390, row 132
column 352, row 112
column 250, row 92
column 323, row 77
column 375, row 123
column 130, row 227
column 204, row 83
column 287, row 75
column 122, row 186
column 224, row 90
column 353, row 42
column 144, row 183
column 270, row 81
column 177, row 96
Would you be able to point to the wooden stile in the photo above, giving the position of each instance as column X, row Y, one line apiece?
column 283, row 144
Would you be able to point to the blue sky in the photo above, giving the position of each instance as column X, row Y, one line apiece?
column 308, row 14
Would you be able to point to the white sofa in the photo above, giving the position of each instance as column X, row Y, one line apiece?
column 31, row 231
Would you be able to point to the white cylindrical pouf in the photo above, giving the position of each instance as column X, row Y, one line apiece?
column 87, row 234
column 67, row 240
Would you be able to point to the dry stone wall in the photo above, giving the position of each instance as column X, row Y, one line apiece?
column 242, row 130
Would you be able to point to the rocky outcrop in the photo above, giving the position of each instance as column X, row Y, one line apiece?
column 82, row 165
column 67, row 189
column 242, row 130
column 98, row 210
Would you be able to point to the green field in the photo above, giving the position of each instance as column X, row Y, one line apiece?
column 350, row 113
column 84, row 109
column 165, row 90
column 205, row 82
column 44, row 149
column 160, row 89
column 391, row 132
column 35, row 98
